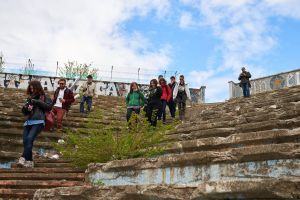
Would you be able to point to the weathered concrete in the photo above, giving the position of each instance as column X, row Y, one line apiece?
column 198, row 174
column 243, row 154
column 257, row 188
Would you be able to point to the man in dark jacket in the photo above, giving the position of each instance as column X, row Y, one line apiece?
column 62, row 100
column 171, row 103
column 245, row 82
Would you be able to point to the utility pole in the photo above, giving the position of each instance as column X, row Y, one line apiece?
column 139, row 75
column 1, row 62
column 56, row 68
column 111, row 72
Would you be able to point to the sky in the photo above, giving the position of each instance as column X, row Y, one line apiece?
column 206, row 40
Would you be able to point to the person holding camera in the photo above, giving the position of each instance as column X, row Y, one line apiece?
column 245, row 82
column 88, row 89
column 37, row 104
column 63, row 98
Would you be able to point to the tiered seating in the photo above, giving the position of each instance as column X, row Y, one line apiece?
column 21, row 183
column 240, row 149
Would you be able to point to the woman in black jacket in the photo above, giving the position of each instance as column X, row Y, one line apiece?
column 154, row 103
column 37, row 104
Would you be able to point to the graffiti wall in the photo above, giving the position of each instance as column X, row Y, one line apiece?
column 20, row 81
column 274, row 82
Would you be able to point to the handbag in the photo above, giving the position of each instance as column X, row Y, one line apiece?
column 49, row 118
column 49, row 121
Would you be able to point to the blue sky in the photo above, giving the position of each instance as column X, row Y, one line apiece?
column 206, row 40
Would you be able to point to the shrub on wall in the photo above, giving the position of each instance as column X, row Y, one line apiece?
column 99, row 143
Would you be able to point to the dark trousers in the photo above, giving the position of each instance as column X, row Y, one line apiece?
column 246, row 89
column 172, row 108
column 29, row 135
column 181, row 108
column 162, row 113
column 130, row 110
column 87, row 100
column 152, row 114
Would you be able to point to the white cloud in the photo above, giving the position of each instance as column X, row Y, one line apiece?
column 244, row 31
column 53, row 30
column 186, row 20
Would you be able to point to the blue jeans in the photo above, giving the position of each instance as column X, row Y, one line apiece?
column 29, row 134
column 246, row 89
column 88, row 100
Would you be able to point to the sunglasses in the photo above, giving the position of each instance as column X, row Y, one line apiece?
column 61, row 83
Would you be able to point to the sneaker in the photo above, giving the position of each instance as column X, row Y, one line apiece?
column 21, row 161
column 29, row 164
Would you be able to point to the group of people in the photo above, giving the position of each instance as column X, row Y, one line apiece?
column 38, row 105
column 160, row 96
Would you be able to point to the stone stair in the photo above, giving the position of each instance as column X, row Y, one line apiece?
column 245, row 148
column 21, row 183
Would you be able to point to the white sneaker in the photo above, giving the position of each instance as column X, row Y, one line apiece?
column 29, row 164
column 21, row 161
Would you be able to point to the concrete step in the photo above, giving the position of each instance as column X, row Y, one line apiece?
column 9, row 156
column 38, row 184
column 236, row 140
column 233, row 155
column 42, row 176
column 225, row 129
column 42, row 170
column 17, row 193
column 14, row 133
column 17, row 145
column 255, row 188
column 47, row 165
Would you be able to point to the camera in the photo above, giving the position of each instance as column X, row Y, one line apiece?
column 28, row 103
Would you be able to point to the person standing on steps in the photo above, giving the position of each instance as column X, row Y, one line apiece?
column 154, row 102
column 245, row 82
column 37, row 104
column 180, row 94
column 62, row 100
column 165, row 98
column 171, row 103
column 135, row 100
column 88, row 89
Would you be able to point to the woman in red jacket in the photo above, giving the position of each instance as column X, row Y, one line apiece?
column 165, row 97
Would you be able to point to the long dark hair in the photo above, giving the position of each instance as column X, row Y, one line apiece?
column 154, row 81
column 162, row 80
column 131, row 85
column 37, row 88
